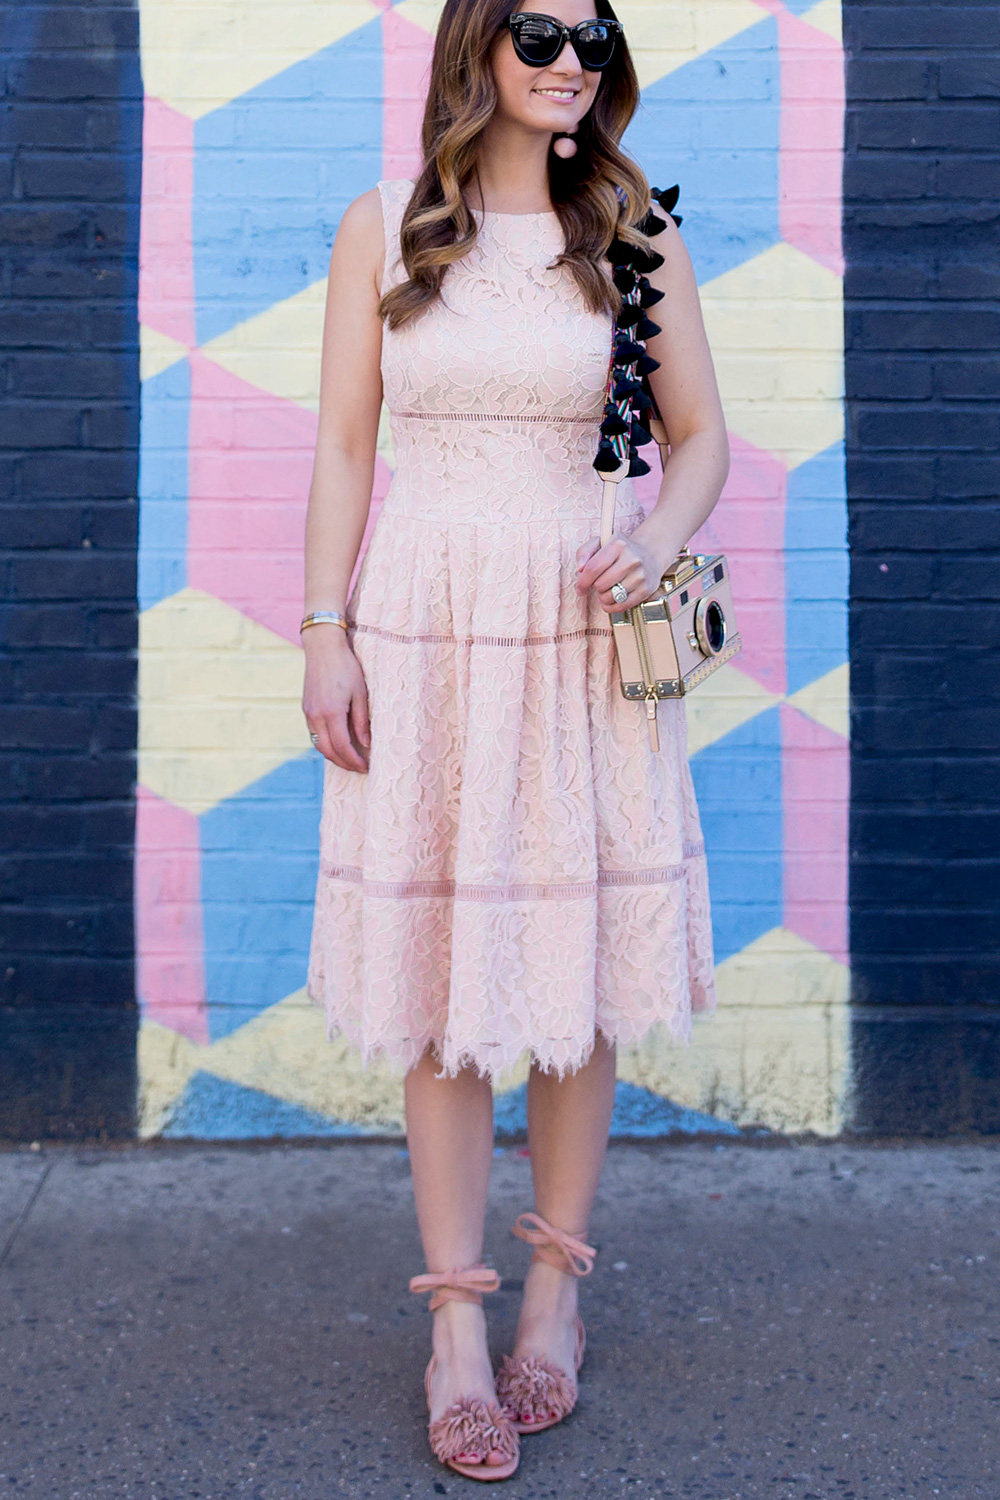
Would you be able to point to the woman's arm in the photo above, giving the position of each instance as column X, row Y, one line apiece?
column 688, row 398
column 334, row 698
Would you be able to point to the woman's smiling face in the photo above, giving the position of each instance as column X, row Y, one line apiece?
column 552, row 98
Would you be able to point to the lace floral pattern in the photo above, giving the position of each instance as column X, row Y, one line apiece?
column 518, row 869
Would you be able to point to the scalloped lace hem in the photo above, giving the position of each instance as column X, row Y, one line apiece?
column 557, row 1055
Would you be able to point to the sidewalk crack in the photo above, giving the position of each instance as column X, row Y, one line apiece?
column 22, row 1217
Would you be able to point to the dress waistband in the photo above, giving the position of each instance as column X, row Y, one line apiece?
column 549, row 418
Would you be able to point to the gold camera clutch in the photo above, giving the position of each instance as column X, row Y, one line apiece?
column 684, row 631
column 678, row 636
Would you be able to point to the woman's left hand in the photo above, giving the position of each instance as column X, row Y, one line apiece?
column 621, row 560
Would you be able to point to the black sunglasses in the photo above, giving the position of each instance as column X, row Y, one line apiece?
column 538, row 40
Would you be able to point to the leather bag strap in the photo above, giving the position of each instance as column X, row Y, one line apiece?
column 659, row 434
column 608, row 503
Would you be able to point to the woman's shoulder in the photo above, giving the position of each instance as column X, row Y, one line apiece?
column 364, row 210
column 369, row 225
column 370, row 210
column 358, row 245
column 395, row 189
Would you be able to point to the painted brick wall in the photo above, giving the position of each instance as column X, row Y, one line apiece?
column 68, row 521
column 261, row 123
column 922, row 235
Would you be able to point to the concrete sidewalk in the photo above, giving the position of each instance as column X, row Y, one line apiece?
column 189, row 1323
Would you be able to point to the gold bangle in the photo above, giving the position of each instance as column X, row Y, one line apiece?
column 325, row 617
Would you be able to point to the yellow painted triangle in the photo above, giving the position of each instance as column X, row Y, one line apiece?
column 423, row 13
column 781, row 969
column 279, row 349
column 664, row 35
column 826, row 16
column 219, row 700
column 157, row 352
column 776, row 1053
column 827, row 700
column 722, row 703
column 776, row 327
column 284, row 1052
column 166, row 1062
column 197, row 56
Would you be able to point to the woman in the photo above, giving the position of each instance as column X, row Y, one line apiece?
column 507, row 867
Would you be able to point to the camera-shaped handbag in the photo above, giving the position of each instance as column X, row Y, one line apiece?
column 684, row 631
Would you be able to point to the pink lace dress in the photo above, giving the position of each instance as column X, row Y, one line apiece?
column 517, row 869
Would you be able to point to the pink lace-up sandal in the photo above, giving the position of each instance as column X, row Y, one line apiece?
column 471, row 1429
column 534, row 1387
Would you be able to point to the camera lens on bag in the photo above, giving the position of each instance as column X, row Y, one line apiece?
column 710, row 626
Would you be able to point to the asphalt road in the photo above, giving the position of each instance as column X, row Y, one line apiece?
column 802, row 1322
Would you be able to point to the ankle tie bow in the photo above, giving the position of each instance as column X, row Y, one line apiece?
column 456, row 1286
column 565, row 1251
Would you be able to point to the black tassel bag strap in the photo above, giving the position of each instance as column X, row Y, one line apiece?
column 631, row 417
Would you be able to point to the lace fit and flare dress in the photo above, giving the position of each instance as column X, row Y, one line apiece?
column 518, row 869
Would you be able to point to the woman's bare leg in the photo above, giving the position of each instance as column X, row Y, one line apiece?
column 449, row 1130
column 568, row 1124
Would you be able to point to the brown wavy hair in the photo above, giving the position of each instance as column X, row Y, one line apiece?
column 599, row 193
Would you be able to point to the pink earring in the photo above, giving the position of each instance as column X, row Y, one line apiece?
column 564, row 145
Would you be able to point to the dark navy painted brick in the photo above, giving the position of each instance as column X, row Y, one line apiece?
column 922, row 325
column 968, row 378
column 972, row 127
column 878, row 527
column 971, row 178
column 70, row 165
column 907, row 379
column 922, row 625
column 971, row 478
column 918, row 28
column 929, row 1074
column 928, row 328
column 969, row 77
column 974, row 884
column 932, row 427
column 875, row 477
column 959, row 277
column 889, row 78
column 67, row 1071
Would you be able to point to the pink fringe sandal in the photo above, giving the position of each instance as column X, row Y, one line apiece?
column 471, row 1428
column 534, row 1386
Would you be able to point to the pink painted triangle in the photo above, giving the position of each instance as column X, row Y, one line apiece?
column 169, row 938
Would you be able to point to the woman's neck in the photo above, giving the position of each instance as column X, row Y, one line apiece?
column 512, row 175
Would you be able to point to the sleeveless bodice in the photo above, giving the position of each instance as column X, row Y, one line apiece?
column 496, row 390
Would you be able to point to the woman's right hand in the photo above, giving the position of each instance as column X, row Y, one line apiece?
column 335, row 698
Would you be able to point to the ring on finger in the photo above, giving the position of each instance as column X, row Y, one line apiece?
column 314, row 737
column 619, row 593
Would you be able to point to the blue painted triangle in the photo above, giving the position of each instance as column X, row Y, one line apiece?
column 213, row 1109
column 510, row 1113
column 638, row 1112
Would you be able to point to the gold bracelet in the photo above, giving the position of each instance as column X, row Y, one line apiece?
column 325, row 617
